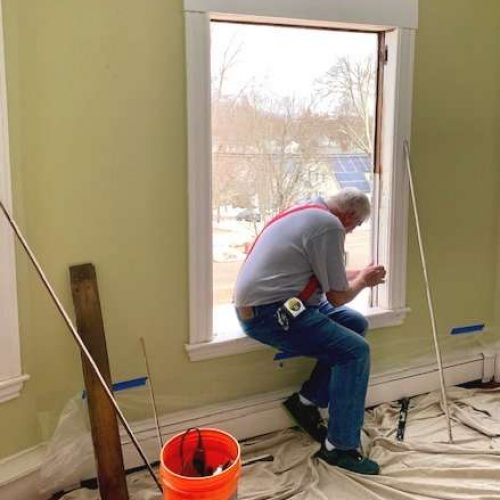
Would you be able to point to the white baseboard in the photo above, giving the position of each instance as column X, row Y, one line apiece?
column 243, row 418
column 395, row 385
column 19, row 475
column 264, row 413
column 246, row 418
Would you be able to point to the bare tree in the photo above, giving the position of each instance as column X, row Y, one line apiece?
column 229, row 163
column 350, row 86
column 283, row 137
column 227, row 179
column 268, row 151
column 229, row 60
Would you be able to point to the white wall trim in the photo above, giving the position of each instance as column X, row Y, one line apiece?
column 217, row 349
column 391, row 298
column 377, row 318
column 199, row 176
column 10, row 356
column 396, row 384
column 387, row 13
column 253, row 416
column 396, row 128
column 11, row 388
column 19, row 475
column 398, row 93
column 20, row 465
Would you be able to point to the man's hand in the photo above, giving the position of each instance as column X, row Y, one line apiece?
column 372, row 275
column 369, row 277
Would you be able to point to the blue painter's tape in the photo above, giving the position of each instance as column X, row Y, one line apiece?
column 126, row 384
column 467, row 329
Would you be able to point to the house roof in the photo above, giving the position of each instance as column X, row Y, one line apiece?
column 351, row 170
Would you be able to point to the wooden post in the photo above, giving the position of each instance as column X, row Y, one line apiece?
column 103, row 422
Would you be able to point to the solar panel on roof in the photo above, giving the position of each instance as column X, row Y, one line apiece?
column 351, row 170
column 348, row 176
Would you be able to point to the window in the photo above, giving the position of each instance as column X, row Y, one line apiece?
column 285, row 103
column 11, row 379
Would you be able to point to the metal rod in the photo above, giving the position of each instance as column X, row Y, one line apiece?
column 429, row 296
column 79, row 341
column 151, row 393
column 260, row 458
column 403, row 415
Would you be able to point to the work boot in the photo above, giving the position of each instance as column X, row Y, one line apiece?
column 307, row 416
column 348, row 459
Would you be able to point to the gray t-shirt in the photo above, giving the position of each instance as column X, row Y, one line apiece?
column 288, row 252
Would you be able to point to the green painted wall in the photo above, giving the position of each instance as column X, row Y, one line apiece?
column 96, row 96
column 455, row 131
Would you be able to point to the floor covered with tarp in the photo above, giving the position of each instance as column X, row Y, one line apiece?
column 423, row 466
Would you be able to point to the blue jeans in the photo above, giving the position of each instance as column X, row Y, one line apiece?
column 334, row 336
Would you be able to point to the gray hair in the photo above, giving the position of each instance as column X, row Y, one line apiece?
column 350, row 200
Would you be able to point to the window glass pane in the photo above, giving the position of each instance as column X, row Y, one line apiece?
column 293, row 116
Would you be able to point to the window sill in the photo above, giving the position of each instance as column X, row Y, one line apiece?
column 11, row 387
column 238, row 343
column 382, row 318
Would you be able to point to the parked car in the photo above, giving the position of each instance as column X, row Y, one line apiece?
column 249, row 215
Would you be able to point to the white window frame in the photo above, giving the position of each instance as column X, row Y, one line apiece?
column 11, row 377
column 398, row 20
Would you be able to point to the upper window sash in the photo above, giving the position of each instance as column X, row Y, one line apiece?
column 381, row 13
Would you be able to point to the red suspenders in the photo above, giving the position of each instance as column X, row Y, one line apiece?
column 313, row 282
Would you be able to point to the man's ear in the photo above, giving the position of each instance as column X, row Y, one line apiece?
column 350, row 216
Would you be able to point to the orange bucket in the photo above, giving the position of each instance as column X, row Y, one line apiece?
column 221, row 450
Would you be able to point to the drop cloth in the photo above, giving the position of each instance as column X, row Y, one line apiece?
column 424, row 466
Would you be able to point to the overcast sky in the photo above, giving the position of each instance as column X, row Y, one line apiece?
column 283, row 60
